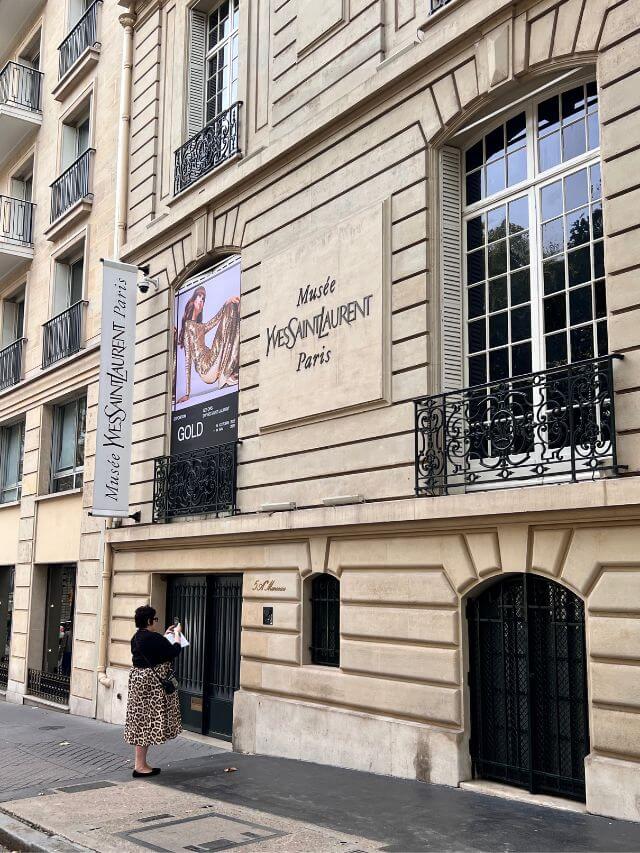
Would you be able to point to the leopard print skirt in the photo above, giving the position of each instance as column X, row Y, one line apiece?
column 153, row 717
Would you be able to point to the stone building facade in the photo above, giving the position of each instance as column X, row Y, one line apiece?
column 59, row 97
column 433, row 590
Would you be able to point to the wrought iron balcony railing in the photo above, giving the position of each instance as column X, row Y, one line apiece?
column 21, row 86
column 216, row 142
column 16, row 220
column 83, row 36
column 50, row 686
column 72, row 185
column 201, row 481
column 554, row 426
column 62, row 334
column 11, row 364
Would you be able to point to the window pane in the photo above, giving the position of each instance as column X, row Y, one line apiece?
column 66, row 437
column 548, row 115
column 555, row 313
column 520, row 289
column 519, row 214
column 474, row 187
column 553, row 274
column 473, row 157
column 549, row 151
column 574, row 140
column 579, row 264
column 76, row 282
column 519, row 250
column 573, row 103
column 497, row 223
column 521, row 323
column 552, row 238
column 521, row 358
column 496, row 177
column 577, row 228
column 582, row 343
column 477, row 370
column 556, row 347
column 580, row 307
column 498, row 258
column 477, row 336
column 576, row 192
column 494, row 142
column 498, row 294
column 499, row 364
column 475, row 232
column 476, row 301
column 601, row 299
column 516, row 131
column 551, row 198
column 475, row 266
column 516, row 167
column 498, row 330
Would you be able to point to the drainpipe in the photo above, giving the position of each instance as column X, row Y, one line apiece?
column 127, row 20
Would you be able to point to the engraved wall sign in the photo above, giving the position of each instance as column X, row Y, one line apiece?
column 325, row 321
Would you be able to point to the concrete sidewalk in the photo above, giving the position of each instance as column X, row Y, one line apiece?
column 72, row 777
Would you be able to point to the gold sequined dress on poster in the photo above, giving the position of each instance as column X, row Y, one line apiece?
column 220, row 362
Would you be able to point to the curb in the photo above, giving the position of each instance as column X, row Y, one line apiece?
column 17, row 835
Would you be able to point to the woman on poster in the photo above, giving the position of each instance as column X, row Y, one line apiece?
column 218, row 363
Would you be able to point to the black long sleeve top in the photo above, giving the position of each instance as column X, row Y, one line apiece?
column 148, row 648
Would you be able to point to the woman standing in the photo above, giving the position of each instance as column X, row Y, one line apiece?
column 153, row 716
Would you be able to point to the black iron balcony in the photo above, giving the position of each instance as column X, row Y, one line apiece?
column 201, row 481
column 50, row 686
column 72, row 185
column 4, row 672
column 11, row 364
column 216, row 142
column 438, row 4
column 83, row 36
column 21, row 86
column 62, row 335
column 16, row 221
column 554, row 426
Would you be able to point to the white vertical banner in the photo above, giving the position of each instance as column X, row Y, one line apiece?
column 115, row 398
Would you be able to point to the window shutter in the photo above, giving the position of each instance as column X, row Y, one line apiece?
column 69, row 146
column 197, row 51
column 451, row 270
column 9, row 322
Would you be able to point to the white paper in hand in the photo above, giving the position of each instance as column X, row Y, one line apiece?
column 172, row 639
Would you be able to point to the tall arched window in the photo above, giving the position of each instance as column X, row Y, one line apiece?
column 325, row 620
column 532, row 239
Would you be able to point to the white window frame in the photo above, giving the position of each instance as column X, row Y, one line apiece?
column 62, row 278
column 10, row 491
column 210, row 53
column 532, row 187
column 76, row 471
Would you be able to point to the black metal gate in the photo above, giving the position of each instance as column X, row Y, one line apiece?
column 528, row 680
column 208, row 670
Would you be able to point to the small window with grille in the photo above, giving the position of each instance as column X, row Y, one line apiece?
column 325, row 620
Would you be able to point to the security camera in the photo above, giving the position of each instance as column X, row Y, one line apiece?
column 146, row 282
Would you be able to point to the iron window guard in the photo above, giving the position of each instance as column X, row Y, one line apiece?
column 438, row 4
column 325, row 620
column 217, row 142
column 11, row 363
column 21, row 86
column 200, row 481
column 555, row 425
column 4, row 672
column 53, row 687
column 81, row 37
column 16, row 220
column 72, row 185
column 62, row 334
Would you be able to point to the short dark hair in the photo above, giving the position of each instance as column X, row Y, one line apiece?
column 144, row 615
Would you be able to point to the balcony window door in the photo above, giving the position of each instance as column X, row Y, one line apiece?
column 21, row 189
column 68, row 287
column 12, row 319
column 69, row 424
column 11, row 452
column 532, row 296
column 213, row 62
column 75, row 141
column 77, row 8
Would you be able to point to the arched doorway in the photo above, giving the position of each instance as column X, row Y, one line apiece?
column 528, row 681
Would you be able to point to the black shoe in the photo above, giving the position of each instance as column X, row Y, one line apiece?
column 154, row 772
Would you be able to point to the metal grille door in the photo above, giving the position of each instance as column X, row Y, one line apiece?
column 186, row 602
column 529, row 723
column 223, row 668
